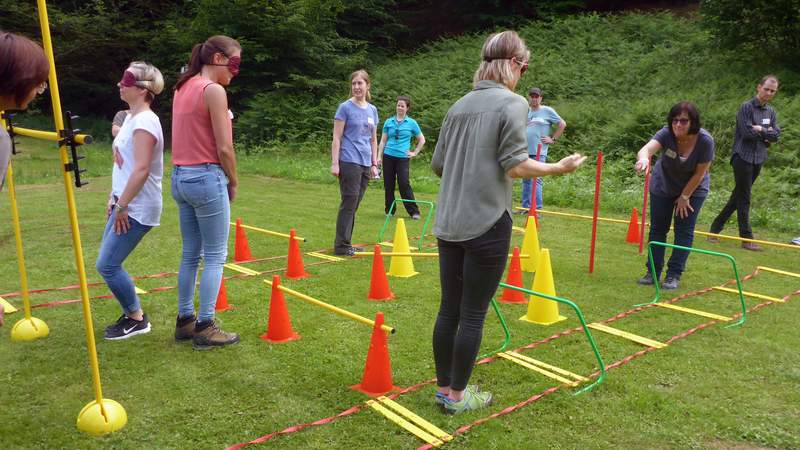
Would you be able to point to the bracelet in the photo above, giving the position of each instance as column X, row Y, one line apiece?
column 685, row 197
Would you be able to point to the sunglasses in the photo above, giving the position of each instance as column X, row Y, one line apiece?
column 523, row 66
column 41, row 88
column 681, row 120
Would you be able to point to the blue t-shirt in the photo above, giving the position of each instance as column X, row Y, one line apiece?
column 539, row 124
column 672, row 172
column 400, row 135
column 359, row 124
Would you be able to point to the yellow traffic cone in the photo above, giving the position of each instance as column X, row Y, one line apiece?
column 540, row 310
column 8, row 307
column 401, row 266
column 530, row 247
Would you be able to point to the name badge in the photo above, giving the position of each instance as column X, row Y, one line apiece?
column 670, row 153
column 370, row 121
column 765, row 121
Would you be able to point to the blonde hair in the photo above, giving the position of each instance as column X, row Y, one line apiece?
column 496, row 58
column 147, row 77
column 363, row 74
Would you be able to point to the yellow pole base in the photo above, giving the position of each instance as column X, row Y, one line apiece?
column 91, row 419
column 543, row 321
column 29, row 330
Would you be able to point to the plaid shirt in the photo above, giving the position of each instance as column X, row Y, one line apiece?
column 749, row 144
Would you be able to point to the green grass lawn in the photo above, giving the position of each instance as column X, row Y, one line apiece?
column 717, row 388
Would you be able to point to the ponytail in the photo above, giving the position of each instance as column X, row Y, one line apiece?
column 204, row 53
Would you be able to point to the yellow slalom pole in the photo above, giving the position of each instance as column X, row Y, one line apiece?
column 103, row 415
column 51, row 135
column 268, row 232
column 329, row 307
column 30, row 328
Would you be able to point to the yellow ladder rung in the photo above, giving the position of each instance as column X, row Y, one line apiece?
column 324, row 256
column 519, row 229
column 410, row 427
column 510, row 356
column 749, row 294
column 696, row 312
column 241, row 269
column 7, row 307
column 782, row 272
column 139, row 291
column 389, row 244
column 417, row 420
column 630, row 336
column 543, row 364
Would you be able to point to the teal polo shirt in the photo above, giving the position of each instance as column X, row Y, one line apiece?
column 399, row 136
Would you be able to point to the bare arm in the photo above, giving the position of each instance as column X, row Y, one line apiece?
column 381, row 146
column 143, row 145
column 682, row 206
column 217, row 102
column 645, row 153
column 336, row 143
column 531, row 168
column 374, row 145
column 420, row 144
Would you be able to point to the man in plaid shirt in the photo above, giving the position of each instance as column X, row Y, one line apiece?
column 756, row 129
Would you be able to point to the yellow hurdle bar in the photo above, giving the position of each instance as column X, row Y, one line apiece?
column 324, row 256
column 518, row 229
column 630, row 336
column 389, row 244
column 139, row 291
column 329, row 307
column 423, row 255
column 271, row 233
column 241, row 269
column 410, row 427
column 696, row 312
column 555, row 369
column 417, row 420
column 511, row 356
column 8, row 308
column 749, row 294
column 782, row 272
column 51, row 135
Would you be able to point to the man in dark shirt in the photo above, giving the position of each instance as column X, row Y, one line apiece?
column 756, row 129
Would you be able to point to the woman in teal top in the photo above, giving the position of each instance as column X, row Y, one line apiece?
column 395, row 147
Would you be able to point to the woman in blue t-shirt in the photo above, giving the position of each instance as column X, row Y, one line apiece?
column 678, row 186
column 395, row 146
column 354, row 156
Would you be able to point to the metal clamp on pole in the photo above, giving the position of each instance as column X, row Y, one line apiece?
column 68, row 138
column 7, row 116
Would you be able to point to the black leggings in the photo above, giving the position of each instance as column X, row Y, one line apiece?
column 469, row 272
column 397, row 169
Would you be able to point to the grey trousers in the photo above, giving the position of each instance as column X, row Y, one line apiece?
column 353, row 181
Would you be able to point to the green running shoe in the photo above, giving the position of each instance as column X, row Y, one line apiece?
column 472, row 400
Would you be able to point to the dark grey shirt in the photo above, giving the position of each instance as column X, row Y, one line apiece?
column 672, row 172
column 482, row 137
column 5, row 154
column 749, row 144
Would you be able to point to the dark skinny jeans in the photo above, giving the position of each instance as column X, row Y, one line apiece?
column 353, row 181
column 744, row 174
column 662, row 212
column 469, row 272
column 397, row 169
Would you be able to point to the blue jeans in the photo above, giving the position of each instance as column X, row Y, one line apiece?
column 662, row 211
column 113, row 250
column 201, row 192
column 527, row 186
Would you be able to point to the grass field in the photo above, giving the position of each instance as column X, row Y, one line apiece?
column 717, row 388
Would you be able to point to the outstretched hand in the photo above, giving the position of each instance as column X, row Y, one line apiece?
column 641, row 166
column 571, row 163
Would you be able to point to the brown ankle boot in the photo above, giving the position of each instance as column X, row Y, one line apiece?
column 184, row 328
column 208, row 335
column 752, row 246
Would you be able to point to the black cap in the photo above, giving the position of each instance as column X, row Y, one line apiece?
column 536, row 91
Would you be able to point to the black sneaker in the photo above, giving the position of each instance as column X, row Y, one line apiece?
column 670, row 283
column 350, row 251
column 127, row 327
column 646, row 280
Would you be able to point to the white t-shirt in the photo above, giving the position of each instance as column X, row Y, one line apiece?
column 146, row 206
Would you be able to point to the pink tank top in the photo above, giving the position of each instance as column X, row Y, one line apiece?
column 192, row 134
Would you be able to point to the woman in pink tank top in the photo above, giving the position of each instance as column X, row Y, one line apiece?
column 203, row 184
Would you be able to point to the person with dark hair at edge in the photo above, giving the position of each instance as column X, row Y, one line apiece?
column 204, row 183
column 541, row 120
column 23, row 75
column 394, row 152
column 481, row 147
column 354, row 156
column 135, row 202
column 679, row 184
column 756, row 129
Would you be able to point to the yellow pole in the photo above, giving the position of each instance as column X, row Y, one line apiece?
column 271, row 233
column 50, row 135
column 95, row 418
column 23, row 274
column 412, row 254
column 329, row 307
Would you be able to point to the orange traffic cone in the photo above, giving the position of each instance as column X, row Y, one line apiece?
column 633, row 229
column 515, row 279
column 279, row 327
column 377, row 379
column 379, row 284
column 294, row 262
column 242, row 249
column 222, row 298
